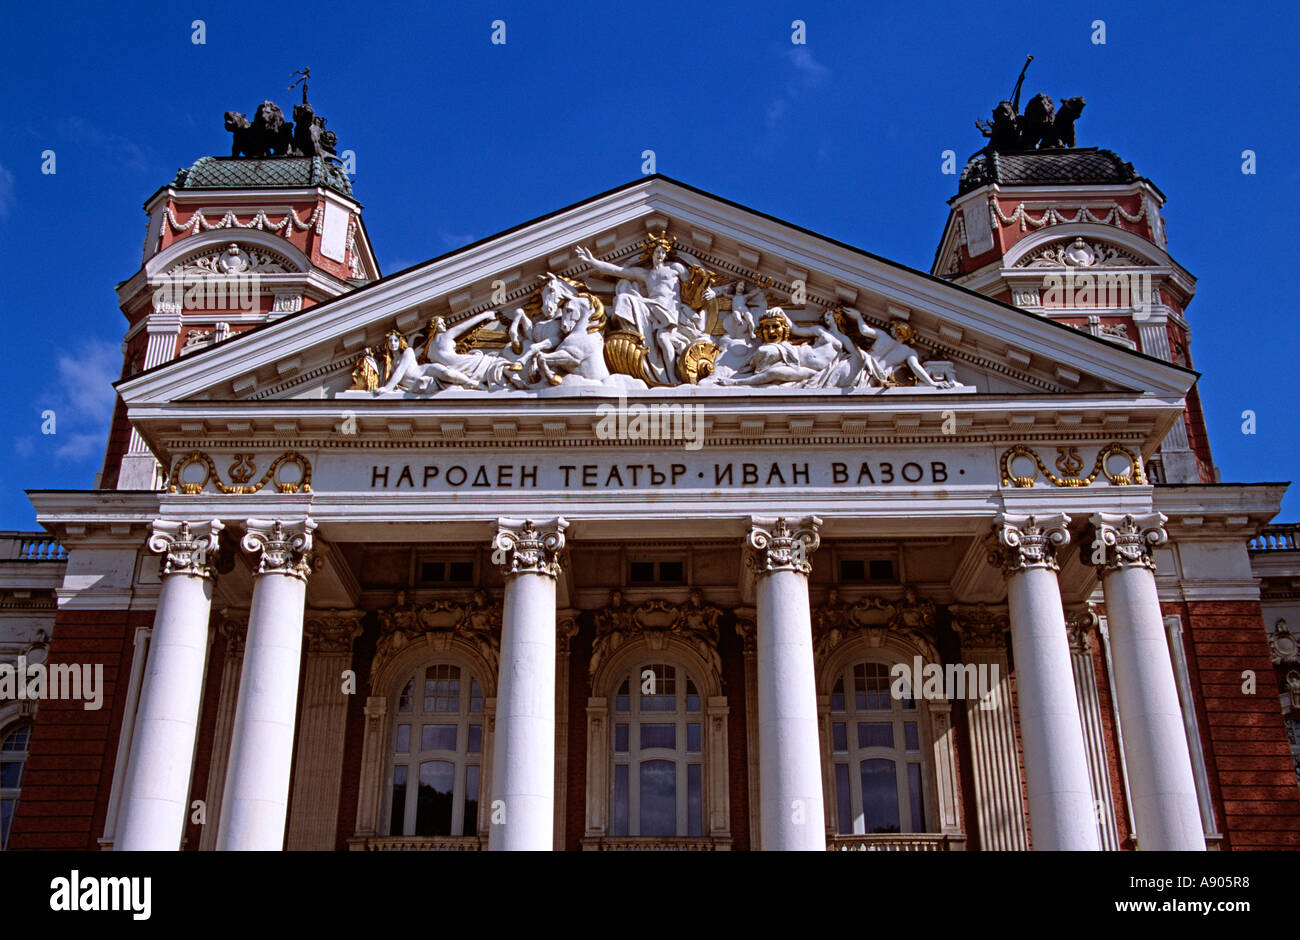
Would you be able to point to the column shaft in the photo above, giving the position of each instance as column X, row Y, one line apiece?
column 256, row 795
column 1061, row 813
column 522, row 809
column 793, row 813
column 1166, row 813
column 156, row 796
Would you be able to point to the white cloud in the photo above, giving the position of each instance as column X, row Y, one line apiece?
column 80, row 394
column 805, row 72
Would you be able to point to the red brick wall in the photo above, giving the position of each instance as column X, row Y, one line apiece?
column 69, row 772
column 1251, row 773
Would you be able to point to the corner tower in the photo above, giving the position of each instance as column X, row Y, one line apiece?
column 1075, row 234
column 234, row 242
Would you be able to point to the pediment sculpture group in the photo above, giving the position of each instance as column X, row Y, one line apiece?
column 657, row 332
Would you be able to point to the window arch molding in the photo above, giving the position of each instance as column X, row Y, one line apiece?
column 631, row 656
column 940, row 788
column 382, row 717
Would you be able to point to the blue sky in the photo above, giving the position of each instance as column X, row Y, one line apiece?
column 457, row 138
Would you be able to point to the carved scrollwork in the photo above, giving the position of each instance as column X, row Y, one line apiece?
column 1127, row 540
column 520, row 547
column 186, row 547
column 332, row 631
column 241, row 471
column 781, row 548
column 1023, row 542
column 1067, row 458
column 280, row 548
column 981, row 627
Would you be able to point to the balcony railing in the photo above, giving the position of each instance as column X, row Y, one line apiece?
column 416, row 844
column 31, row 546
column 908, row 842
column 655, row 844
column 1277, row 538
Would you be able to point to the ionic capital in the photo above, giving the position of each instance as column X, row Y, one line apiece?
column 775, row 546
column 281, row 547
column 1025, row 542
column 1125, row 541
column 186, row 547
column 522, row 547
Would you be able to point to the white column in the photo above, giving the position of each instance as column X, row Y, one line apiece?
column 1079, row 629
column 1166, row 814
column 790, row 774
column 256, row 794
column 156, row 797
column 522, row 810
column 1056, row 764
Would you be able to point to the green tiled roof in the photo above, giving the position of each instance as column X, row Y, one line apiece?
column 263, row 173
column 1085, row 165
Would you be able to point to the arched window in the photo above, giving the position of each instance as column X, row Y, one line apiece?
column 657, row 752
column 13, row 754
column 437, row 753
column 878, row 768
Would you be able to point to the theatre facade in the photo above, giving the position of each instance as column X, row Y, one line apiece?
column 659, row 523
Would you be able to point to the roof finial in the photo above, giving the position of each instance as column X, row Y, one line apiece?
column 304, row 73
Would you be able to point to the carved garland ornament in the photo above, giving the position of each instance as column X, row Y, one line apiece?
column 1068, row 463
column 240, row 472
column 288, row 224
column 873, row 618
column 477, row 622
column 694, row 622
column 1052, row 216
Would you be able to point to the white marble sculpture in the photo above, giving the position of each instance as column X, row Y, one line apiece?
column 649, row 301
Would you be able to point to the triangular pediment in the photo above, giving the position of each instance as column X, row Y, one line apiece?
column 607, row 323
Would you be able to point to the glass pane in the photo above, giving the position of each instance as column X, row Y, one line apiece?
column 398, row 812
column 618, row 825
column 433, row 807
column 622, row 701
column 11, row 774
column 872, row 684
column 17, row 740
column 470, row 828
column 843, row 800
column 694, row 801
column 438, row 738
column 6, row 817
column 837, row 696
column 620, row 739
column 839, row 737
column 475, row 696
column 661, row 679
column 911, row 736
column 692, row 697
column 404, row 700
column 875, row 734
column 475, row 745
column 915, row 797
column 658, row 736
column 658, row 798
column 693, row 738
column 403, row 739
column 879, row 795
column 442, row 688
